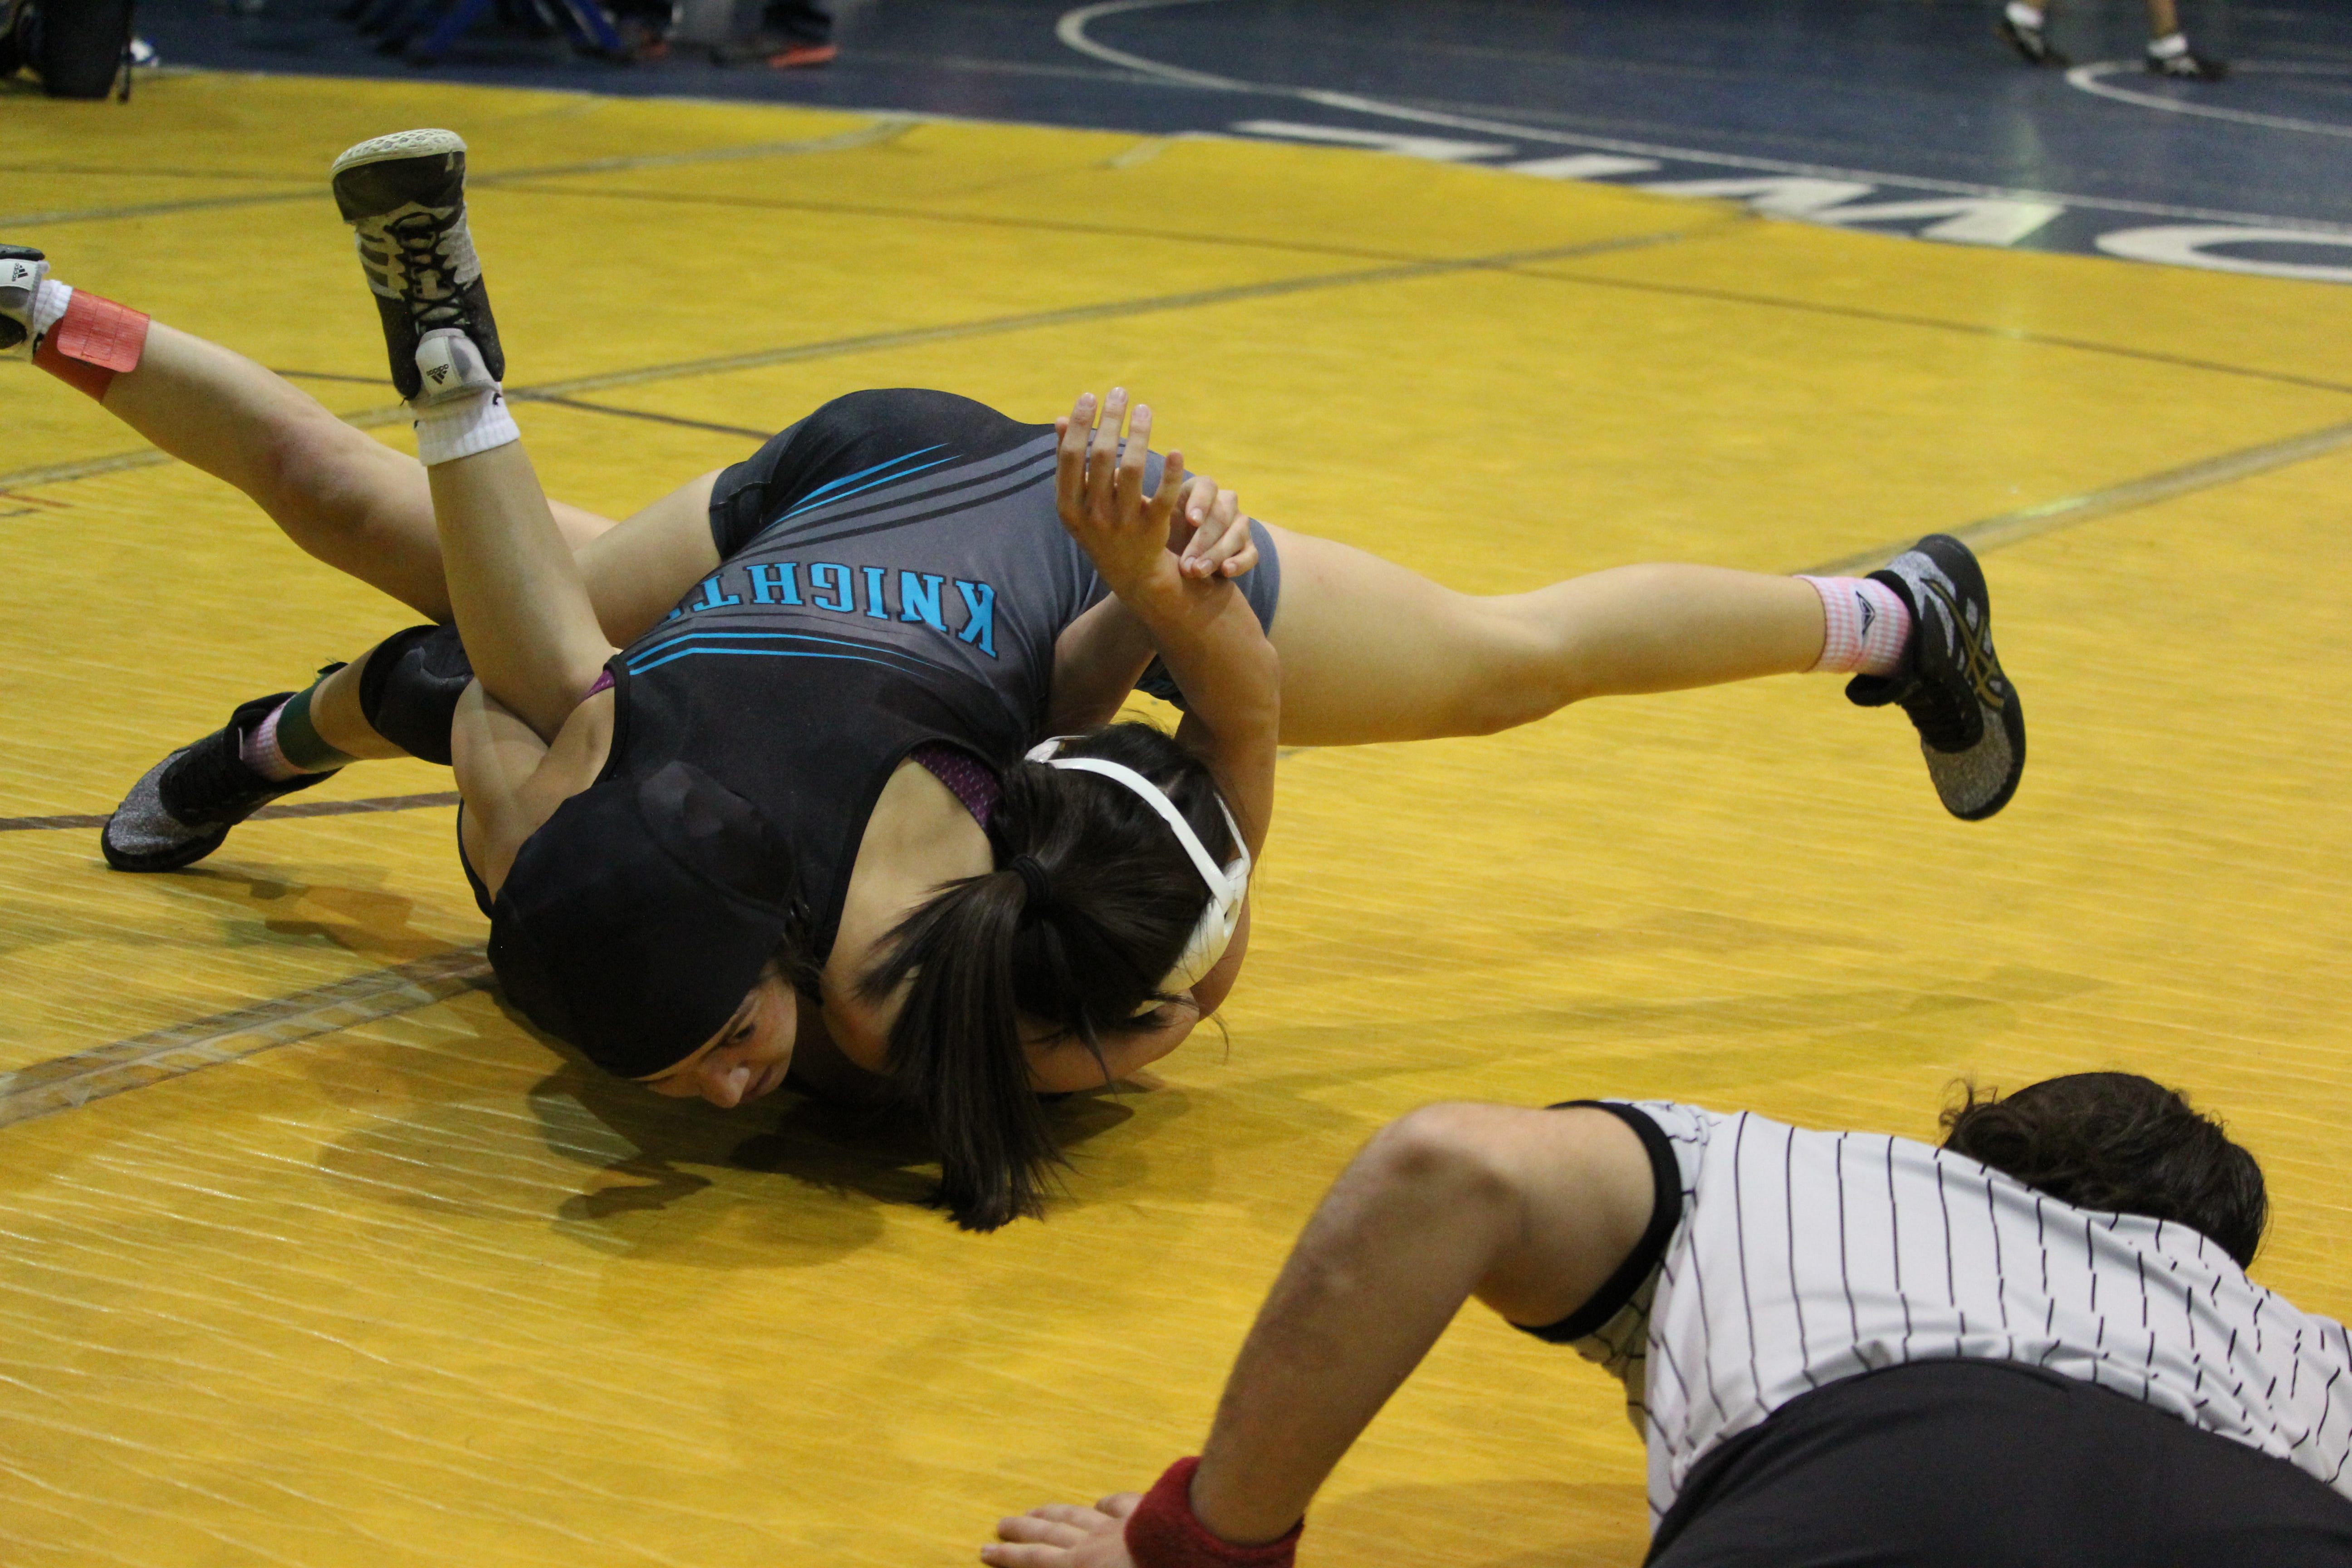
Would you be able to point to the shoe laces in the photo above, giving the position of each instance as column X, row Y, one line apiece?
column 422, row 245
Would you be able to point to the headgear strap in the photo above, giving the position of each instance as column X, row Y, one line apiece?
column 1228, row 885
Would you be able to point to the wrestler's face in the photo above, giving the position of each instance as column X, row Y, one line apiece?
column 744, row 1060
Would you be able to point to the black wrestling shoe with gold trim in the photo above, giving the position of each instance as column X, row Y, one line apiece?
column 181, row 810
column 1971, row 725
column 404, row 196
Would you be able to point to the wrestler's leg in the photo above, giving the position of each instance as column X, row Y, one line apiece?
column 1373, row 651
column 632, row 580
column 336, row 492
column 395, row 699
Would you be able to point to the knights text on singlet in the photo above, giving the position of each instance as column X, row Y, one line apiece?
column 892, row 572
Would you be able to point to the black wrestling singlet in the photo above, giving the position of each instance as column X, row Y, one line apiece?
column 893, row 573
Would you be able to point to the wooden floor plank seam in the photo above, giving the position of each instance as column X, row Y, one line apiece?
column 560, row 392
column 2049, row 517
column 268, row 812
column 76, row 1080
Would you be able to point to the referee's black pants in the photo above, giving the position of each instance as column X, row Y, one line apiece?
column 1992, row 1465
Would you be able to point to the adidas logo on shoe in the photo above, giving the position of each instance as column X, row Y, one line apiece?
column 449, row 366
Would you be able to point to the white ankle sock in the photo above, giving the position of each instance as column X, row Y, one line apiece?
column 2167, row 47
column 461, row 427
column 257, row 749
column 461, row 411
column 49, row 302
column 2024, row 16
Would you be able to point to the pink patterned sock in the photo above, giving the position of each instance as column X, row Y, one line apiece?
column 1869, row 625
column 257, row 749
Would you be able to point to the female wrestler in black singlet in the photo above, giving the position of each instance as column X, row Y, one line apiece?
column 791, row 826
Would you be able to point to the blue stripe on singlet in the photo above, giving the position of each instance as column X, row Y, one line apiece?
column 678, row 647
column 823, row 495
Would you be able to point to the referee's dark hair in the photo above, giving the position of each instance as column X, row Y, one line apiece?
column 2120, row 1143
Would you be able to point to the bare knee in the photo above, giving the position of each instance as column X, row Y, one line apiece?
column 1525, row 663
column 1571, row 642
column 358, row 506
column 320, row 480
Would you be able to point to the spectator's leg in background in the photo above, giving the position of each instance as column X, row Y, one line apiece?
column 2168, row 53
column 792, row 34
column 2024, row 26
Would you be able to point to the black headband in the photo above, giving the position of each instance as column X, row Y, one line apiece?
column 636, row 920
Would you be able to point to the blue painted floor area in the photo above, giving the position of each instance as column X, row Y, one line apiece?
column 1898, row 115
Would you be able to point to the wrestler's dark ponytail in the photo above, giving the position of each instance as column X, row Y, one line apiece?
column 1090, row 905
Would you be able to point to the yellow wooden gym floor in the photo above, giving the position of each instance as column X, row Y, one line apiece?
column 310, row 1255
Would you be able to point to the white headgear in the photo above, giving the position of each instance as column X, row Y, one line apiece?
column 1227, row 888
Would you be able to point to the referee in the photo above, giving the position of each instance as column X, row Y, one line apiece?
column 2035, row 1345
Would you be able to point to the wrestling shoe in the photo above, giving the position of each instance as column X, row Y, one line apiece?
column 2032, row 43
column 404, row 198
column 21, row 270
column 183, row 806
column 2187, row 65
column 1971, row 725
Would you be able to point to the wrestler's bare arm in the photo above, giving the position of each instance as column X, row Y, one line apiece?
column 1201, row 628
column 1100, row 656
column 512, row 781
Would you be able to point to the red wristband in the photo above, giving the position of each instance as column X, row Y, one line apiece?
column 95, row 341
column 1162, row 1532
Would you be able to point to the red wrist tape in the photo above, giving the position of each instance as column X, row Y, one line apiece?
column 1162, row 1532
column 94, row 341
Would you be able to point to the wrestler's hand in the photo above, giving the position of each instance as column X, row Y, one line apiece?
column 1064, row 1535
column 1212, row 538
column 1099, row 491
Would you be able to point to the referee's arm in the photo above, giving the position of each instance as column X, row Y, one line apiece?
column 1529, row 1210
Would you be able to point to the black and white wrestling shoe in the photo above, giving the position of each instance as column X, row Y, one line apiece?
column 2182, row 63
column 1971, row 725
column 182, row 809
column 2032, row 44
column 404, row 198
column 21, row 270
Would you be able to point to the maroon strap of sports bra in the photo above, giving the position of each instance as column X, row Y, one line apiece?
column 604, row 683
column 965, row 775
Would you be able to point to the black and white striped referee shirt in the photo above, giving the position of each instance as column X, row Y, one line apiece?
column 1802, row 1258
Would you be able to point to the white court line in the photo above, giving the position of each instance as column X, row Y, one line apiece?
column 2088, row 79
column 1071, row 29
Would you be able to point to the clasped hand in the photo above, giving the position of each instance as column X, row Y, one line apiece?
column 1187, row 531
